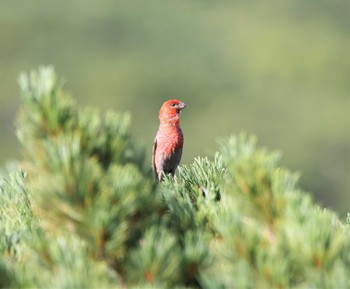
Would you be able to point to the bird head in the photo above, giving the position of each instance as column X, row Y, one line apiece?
column 170, row 112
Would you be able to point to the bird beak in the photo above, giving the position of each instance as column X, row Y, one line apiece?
column 182, row 105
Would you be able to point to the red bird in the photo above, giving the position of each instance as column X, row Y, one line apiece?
column 167, row 146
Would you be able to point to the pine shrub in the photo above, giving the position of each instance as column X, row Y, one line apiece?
column 83, row 210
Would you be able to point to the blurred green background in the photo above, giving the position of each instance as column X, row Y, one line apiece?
column 278, row 69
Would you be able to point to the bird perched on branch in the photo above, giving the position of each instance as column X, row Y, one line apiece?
column 168, row 144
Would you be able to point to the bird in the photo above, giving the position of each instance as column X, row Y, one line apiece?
column 168, row 143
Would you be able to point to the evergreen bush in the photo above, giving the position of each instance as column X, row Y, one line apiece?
column 83, row 210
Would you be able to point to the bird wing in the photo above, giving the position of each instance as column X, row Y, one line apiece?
column 154, row 156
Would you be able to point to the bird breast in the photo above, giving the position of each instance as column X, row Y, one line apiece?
column 170, row 139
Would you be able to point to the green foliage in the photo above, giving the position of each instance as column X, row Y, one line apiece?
column 161, row 258
column 16, row 219
column 86, row 168
column 88, row 213
column 15, row 214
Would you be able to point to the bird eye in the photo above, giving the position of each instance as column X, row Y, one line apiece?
column 173, row 104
